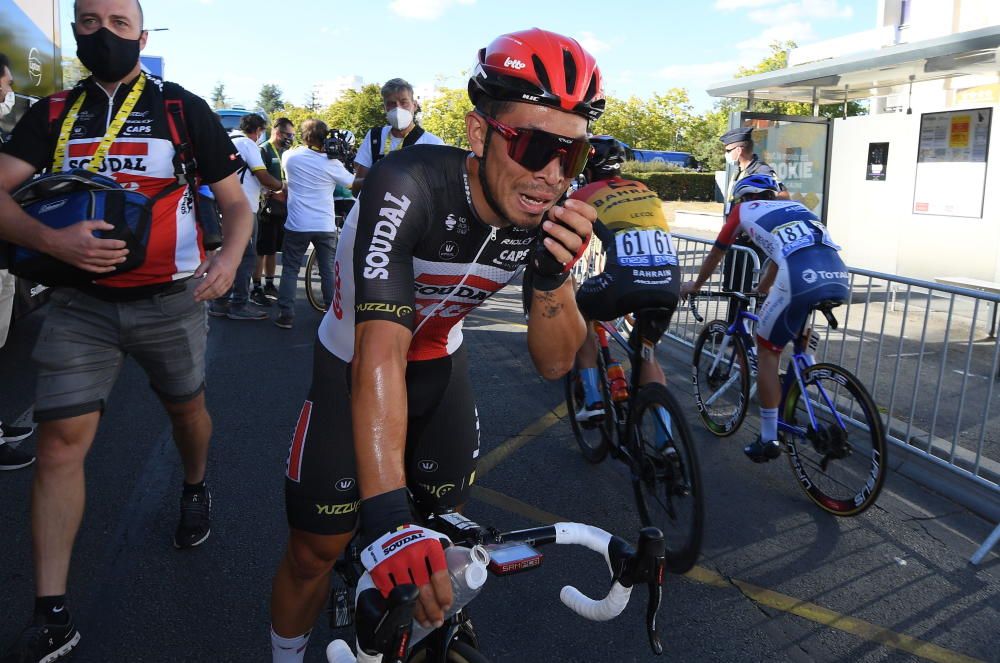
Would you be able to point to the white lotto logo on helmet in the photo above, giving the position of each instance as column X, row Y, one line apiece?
column 511, row 63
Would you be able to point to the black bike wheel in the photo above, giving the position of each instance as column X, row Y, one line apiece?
column 721, row 379
column 668, row 488
column 841, row 464
column 314, row 284
column 458, row 652
column 594, row 438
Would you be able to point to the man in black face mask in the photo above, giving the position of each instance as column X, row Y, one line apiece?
column 115, row 123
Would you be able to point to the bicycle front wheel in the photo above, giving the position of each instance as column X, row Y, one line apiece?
column 668, row 489
column 314, row 283
column 839, row 454
column 721, row 379
column 594, row 437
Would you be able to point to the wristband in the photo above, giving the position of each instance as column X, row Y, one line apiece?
column 384, row 513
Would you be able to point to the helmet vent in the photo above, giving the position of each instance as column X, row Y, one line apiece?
column 591, row 89
column 570, row 65
column 543, row 76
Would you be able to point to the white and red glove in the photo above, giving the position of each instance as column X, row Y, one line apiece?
column 407, row 555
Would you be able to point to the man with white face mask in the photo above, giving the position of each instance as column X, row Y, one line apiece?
column 401, row 130
column 6, row 89
column 10, row 458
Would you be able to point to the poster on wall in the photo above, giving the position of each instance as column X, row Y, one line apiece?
column 796, row 150
column 951, row 163
column 878, row 157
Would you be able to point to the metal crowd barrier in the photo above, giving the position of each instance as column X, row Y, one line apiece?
column 925, row 351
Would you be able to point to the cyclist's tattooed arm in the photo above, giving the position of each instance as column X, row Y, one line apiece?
column 556, row 329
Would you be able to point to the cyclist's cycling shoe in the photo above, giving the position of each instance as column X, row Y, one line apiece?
column 43, row 642
column 760, row 452
column 590, row 414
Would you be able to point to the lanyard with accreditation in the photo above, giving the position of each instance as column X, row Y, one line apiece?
column 110, row 135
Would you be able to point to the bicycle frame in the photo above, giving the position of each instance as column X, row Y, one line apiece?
column 800, row 360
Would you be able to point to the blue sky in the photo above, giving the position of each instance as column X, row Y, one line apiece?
column 642, row 47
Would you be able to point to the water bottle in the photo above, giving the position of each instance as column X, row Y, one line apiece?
column 467, row 570
column 619, row 386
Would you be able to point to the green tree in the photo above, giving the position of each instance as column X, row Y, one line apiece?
column 778, row 59
column 444, row 115
column 269, row 98
column 657, row 123
column 219, row 98
column 312, row 100
column 357, row 110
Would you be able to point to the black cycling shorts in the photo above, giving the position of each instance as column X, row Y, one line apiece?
column 270, row 233
column 442, row 443
column 619, row 290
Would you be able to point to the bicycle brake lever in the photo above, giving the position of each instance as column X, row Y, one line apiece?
column 653, row 607
column 651, row 567
column 694, row 310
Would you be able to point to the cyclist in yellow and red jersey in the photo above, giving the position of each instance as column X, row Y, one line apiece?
column 641, row 269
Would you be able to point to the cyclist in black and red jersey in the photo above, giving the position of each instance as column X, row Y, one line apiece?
column 437, row 230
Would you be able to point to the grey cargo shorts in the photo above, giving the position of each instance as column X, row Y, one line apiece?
column 84, row 341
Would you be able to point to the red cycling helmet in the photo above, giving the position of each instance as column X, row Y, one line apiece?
column 539, row 67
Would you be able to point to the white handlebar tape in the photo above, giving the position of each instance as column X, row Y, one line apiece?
column 587, row 536
column 607, row 608
column 339, row 651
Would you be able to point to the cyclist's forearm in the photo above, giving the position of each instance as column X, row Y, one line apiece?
column 378, row 409
column 712, row 261
column 556, row 330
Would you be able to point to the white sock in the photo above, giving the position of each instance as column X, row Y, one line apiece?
column 769, row 423
column 288, row 650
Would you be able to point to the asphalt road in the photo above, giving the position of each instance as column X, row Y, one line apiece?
column 778, row 580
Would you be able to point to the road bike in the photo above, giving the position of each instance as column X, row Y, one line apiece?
column 384, row 628
column 647, row 432
column 827, row 421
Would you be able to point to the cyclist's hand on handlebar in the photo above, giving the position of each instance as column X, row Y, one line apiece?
column 412, row 554
column 689, row 288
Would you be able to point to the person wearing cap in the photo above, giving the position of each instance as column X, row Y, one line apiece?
column 436, row 231
column 738, row 144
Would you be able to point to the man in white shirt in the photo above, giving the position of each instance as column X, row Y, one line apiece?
column 402, row 130
column 310, row 177
column 253, row 178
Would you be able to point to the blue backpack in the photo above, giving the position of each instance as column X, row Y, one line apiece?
column 62, row 199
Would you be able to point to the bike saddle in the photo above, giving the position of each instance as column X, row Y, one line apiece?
column 653, row 322
column 826, row 307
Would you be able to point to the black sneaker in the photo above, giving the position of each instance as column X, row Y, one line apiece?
column 196, row 520
column 42, row 643
column 259, row 298
column 14, row 459
column 284, row 321
column 10, row 433
column 760, row 451
column 270, row 291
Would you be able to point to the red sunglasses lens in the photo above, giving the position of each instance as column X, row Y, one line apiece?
column 534, row 149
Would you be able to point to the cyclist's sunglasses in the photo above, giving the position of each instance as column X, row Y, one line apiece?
column 534, row 149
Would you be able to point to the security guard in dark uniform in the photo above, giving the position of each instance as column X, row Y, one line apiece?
column 738, row 143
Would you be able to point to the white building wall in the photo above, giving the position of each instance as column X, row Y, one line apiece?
column 874, row 221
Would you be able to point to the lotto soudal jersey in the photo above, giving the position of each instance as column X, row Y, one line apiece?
column 778, row 227
column 632, row 226
column 140, row 158
column 413, row 252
